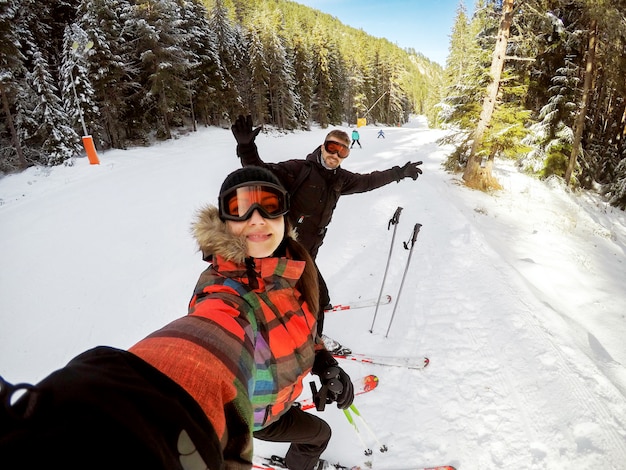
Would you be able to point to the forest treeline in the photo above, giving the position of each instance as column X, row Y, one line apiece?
column 140, row 70
column 538, row 81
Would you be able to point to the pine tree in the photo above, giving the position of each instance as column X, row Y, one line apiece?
column 303, row 86
column 466, row 75
column 273, row 73
column 615, row 192
column 553, row 135
column 111, row 67
column 11, row 67
column 233, row 60
column 165, row 63
column 56, row 138
column 259, row 78
column 322, row 79
column 204, row 74
column 79, row 102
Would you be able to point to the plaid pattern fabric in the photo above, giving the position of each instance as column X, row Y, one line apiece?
column 243, row 351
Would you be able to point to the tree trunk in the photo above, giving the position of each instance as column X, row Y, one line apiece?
column 164, row 112
column 14, row 138
column 475, row 176
column 193, row 114
column 582, row 114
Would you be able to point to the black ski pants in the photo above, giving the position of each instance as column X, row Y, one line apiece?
column 324, row 301
column 308, row 434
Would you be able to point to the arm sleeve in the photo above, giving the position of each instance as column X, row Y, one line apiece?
column 363, row 182
column 210, row 355
column 249, row 155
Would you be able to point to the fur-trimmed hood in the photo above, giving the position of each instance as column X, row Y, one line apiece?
column 214, row 238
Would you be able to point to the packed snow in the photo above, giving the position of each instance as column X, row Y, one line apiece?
column 518, row 297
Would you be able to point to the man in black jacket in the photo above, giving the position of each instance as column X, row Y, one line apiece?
column 315, row 185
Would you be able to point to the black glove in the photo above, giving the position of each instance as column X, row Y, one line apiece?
column 410, row 170
column 242, row 130
column 336, row 384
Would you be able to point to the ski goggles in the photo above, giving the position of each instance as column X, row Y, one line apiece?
column 340, row 149
column 239, row 202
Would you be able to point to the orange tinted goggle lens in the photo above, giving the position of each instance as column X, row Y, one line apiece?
column 335, row 147
column 239, row 203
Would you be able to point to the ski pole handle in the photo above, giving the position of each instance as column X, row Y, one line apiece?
column 330, row 390
column 416, row 230
column 395, row 218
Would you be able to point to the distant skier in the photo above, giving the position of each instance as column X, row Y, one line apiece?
column 355, row 138
column 381, row 134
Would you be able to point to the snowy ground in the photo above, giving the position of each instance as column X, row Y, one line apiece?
column 518, row 298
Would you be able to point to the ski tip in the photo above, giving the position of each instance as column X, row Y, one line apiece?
column 426, row 361
column 370, row 382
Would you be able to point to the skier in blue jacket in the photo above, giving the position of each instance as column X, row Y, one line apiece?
column 355, row 138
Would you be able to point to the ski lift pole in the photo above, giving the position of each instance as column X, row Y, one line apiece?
column 90, row 148
column 393, row 221
column 416, row 230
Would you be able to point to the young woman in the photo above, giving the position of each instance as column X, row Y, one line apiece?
column 193, row 394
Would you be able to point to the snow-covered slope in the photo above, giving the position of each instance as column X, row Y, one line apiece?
column 518, row 298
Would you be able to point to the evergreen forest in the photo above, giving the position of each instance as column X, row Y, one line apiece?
column 537, row 81
column 541, row 82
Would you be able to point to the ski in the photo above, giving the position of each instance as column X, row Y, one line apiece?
column 278, row 463
column 407, row 362
column 385, row 299
column 369, row 467
column 440, row 467
column 361, row 386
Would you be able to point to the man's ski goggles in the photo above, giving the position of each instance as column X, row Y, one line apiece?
column 340, row 149
column 238, row 202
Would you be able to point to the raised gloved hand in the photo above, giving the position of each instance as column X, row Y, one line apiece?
column 336, row 384
column 410, row 170
column 242, row 130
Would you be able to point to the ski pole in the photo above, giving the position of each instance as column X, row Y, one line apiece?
column 416, row 230
column 382, row 447
column 393, row 221
column 348, row 415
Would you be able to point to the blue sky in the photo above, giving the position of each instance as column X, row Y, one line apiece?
column 424, row 25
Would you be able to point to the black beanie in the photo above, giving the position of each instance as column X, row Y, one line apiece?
column 249, row 173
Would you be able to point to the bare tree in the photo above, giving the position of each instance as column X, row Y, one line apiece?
column 582, row 113
column 476, row 175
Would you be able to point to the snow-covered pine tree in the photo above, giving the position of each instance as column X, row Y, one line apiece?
column 57, row 139
column 233, row 62
column 12, row 155
column 551, row 138
column 76, row 87
column 112, row 68
column 204, row 74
